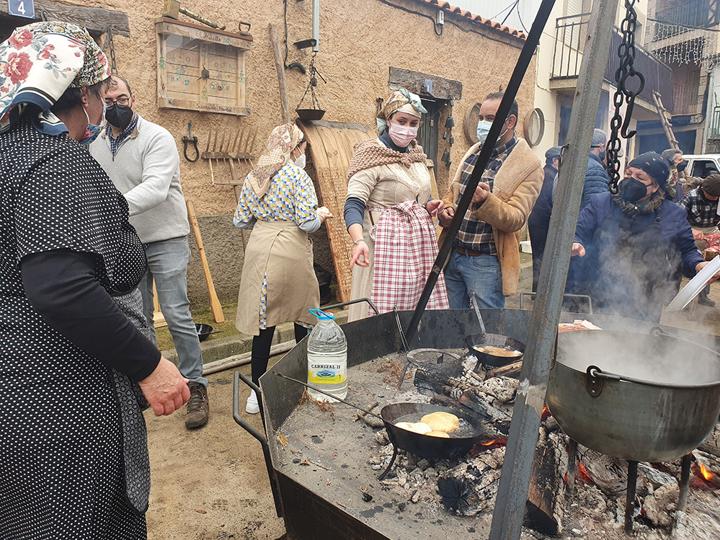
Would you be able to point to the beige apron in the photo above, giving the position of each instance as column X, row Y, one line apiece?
column 283, row 252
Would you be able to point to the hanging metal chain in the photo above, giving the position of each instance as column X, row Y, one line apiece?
column 110, row 47
column 312, row 85
column 629, row 84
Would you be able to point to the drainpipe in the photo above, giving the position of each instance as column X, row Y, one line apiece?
column 709, row 105
column 316, row 24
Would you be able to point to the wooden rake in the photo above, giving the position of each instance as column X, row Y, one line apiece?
column 234, row 148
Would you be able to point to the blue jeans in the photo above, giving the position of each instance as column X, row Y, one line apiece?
column 480, row 276
column 167, row 264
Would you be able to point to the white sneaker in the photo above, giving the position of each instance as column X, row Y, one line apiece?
column 252, row 406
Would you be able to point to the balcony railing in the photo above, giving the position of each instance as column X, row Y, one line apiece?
column 571, row 33
column 687, row 15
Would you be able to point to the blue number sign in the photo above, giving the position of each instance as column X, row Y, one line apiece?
column 22, row 8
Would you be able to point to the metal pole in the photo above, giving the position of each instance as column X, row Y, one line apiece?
column 514, row 482
column 528, row 50
column 316, row 24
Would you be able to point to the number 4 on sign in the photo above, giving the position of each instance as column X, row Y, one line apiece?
column 22, row 8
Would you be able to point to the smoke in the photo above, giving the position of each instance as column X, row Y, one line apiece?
column 637, row 277
column 661, row 360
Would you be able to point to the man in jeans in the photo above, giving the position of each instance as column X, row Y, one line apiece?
column 485, row 262
column 142, row 161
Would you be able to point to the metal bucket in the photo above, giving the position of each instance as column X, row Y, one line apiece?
column 639, row 397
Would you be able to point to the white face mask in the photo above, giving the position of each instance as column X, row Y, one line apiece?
column 301, row 161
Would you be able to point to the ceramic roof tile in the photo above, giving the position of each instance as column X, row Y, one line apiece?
column 477, row 19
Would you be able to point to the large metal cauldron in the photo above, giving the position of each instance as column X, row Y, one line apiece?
column 639, row 397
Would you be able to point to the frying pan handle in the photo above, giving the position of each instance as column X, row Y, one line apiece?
column 236, row 408
column 351, row 302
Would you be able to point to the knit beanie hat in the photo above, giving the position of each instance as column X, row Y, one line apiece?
column 655, row 166
column 711, row 185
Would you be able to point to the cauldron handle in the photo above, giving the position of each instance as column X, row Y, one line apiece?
column 594, row 372
column 658, row 332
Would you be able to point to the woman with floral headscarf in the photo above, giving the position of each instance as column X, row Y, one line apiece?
column 278, row 283
column 74, row 362
column 388, row 213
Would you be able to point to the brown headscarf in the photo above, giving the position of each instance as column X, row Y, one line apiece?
column 400, row 100
column 282, row 141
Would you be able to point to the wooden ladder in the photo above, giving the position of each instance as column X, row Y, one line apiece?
column 666, row 120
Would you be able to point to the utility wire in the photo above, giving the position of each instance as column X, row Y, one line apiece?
column 510, row 7
column 517, row 4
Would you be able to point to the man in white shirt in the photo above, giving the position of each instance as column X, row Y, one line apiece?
column 141, row 159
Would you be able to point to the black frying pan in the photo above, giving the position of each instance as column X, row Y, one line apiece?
column 474, row 342
column 426, row 446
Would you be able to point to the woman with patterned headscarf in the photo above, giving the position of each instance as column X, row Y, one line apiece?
column 74, row 363
column 388, row 213
column 278, row 283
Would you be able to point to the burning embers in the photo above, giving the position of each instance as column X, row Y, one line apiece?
column 706, row 470
column 590, row 498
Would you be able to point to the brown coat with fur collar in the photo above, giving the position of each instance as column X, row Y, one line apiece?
column 515, row 189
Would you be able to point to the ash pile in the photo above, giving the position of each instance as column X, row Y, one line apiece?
column 582, row 497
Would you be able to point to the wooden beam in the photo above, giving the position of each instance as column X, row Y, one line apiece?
column 280, row 68
column 97, row 20
column 416, row 81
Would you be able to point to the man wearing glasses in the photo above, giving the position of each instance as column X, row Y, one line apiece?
column 142, row 161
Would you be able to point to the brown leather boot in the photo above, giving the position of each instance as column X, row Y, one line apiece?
column 198, row 406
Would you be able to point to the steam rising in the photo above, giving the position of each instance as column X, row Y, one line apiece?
column 660, row 360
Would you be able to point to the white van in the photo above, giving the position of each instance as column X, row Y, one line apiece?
column 701, row 166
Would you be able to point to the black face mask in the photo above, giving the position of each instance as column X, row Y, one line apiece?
column 632, row 190
column 119, row 116
column 681, row 166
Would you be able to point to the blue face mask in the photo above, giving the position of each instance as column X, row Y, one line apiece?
column 483, row 128
column 92, row 130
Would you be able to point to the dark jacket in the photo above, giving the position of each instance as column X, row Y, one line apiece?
column 539, row 220
column 581, row 269
column 596, row 180
column 636, row 255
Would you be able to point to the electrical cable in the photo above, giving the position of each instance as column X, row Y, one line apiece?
column 510, row 7
column 517, row 8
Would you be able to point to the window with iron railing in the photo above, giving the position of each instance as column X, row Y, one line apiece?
column 689, row 14
column 571, row 36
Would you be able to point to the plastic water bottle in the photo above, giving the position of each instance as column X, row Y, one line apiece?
column 327, row 358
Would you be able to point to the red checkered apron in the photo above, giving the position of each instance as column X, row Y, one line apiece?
column 405, row 250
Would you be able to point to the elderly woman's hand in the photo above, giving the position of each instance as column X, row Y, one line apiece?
column 323, row 213
column 165, row 389
column 434, row 207
column 360, row 254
